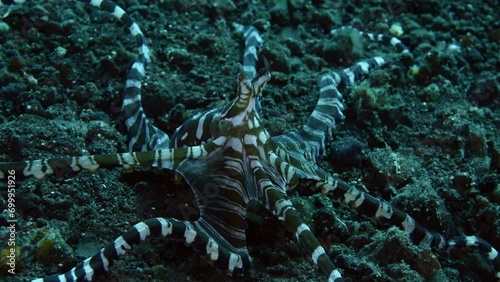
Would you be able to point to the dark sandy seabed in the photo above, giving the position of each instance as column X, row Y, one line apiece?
column 428, row 130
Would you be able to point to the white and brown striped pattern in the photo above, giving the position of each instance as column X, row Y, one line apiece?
column 228, row 158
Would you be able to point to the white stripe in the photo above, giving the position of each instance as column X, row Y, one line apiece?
column 359, row 201
column 105, row 261
column 471, row 241
column 384, row 210
column 350, row 75
column 236, row 164
column 427, row 240
column 135, row 30
column 96, row 3
column 256, row 122
column 290, row 175
column 327, row 187
column 236, row 144
column 251, row 51
column 329, row 102
column 317, row 252
column 492, row 254
column 143, row 49
column 351, row 195
column 365, row 67
column 257, row 36
column 189, row 234
column 128, row 158
column 327, row 119
column 167, row 155
column 166, row 227
column 250, row 139
column 283, row 168
column 132, row 83
column 118, row 12
column 183, row 137
column 212, row 249
column 395, row 41
column 234, row 261
column 302, row 227
column 334, row 276
column 379, row 60
column 408, row 224
column 221, row 140
column 73, row 274
column 280, row 204
column 61, row 277
column 121, row 246
column 199, row 128
column 88, row 163
column 196, row 152
column 328, row 87
column 143, row 230
column 139, row 67
column 89, row 272
column 313, row 131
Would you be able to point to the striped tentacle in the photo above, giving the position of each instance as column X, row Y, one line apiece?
column 478, row 243
column 285, row 212
column 358, row 71
column 253, row 41
column 185, row 231
column 385, row 39
column 293, row 145
column 142, row 134
column 294, row 156
column 163, row 158
column 375, row 208
column 328, row 109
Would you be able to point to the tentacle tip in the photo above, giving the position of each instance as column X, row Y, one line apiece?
column 238, row 27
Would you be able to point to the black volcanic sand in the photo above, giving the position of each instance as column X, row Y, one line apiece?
column 421, row 134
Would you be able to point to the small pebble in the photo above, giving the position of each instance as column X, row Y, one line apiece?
column 4, row 28
column 396, row 29
column 61, row 52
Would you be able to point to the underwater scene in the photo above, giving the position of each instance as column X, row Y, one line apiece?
column 225, row 140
